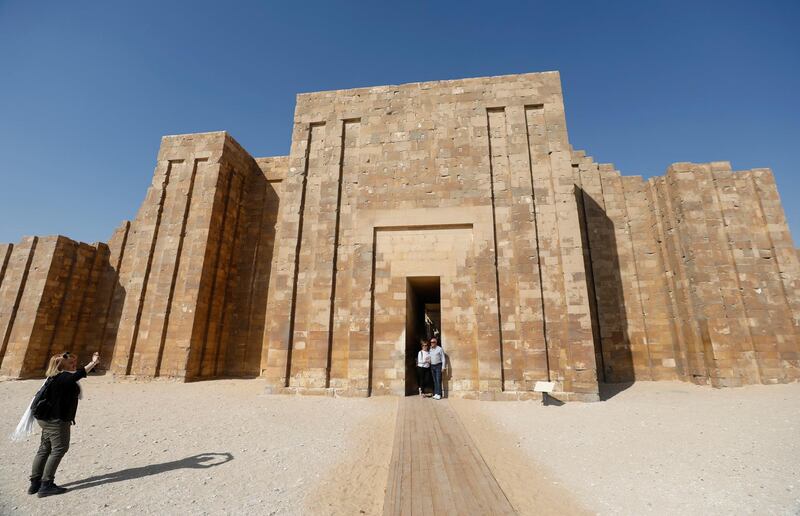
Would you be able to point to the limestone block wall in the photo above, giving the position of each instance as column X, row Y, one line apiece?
column 487, row 154
column 296, row 268
column 102, row 329
column 249, row 271
column 180, row 291
column 694, row 273
column 195, row 263
column 48, row 294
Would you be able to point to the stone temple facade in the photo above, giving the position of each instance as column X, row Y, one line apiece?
column 312, row 270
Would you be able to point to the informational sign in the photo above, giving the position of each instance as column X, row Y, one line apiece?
column 544, row 387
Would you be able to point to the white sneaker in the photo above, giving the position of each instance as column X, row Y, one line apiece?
column 437, row 397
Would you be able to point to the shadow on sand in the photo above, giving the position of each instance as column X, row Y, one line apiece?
column 609, row 390
column 200, row 461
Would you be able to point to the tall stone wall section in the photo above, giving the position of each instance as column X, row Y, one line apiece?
column 48, row 296
column 195, row 263
column 695, row 275
column 248, row 288
column 486, row 158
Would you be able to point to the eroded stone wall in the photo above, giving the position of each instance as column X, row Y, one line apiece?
column 196, row 263
column 700, row 280
column 48, row 297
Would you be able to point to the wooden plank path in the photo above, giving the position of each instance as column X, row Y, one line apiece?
column 436, row 468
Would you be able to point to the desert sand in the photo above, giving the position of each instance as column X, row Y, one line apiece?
column 224, row 447
column 219, row 447
column 654, row 448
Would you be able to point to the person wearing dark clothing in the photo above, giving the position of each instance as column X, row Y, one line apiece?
column 62, row 394
column 438, row 363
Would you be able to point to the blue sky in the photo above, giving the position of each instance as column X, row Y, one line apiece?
column 88, row 88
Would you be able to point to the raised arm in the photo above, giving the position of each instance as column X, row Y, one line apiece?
column 93, row 363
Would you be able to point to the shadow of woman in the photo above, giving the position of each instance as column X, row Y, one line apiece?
column 200, row 461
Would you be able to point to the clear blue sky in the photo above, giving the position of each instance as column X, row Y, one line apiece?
column 88, row 88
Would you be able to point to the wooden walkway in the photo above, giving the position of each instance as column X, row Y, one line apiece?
column 436, row 468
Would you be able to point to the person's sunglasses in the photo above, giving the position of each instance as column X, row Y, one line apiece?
column 65, row 355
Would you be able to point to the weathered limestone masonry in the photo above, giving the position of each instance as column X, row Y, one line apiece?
column 695, row 275
column 301, row 268
column 431, row 179
column 196, row 261
column 51, row 292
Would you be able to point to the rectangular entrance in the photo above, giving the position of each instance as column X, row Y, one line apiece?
column 423, row 321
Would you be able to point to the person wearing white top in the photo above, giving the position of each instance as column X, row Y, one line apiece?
column 438, row 364
column 423, row 368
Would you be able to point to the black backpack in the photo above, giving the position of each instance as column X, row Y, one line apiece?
column 41, row 406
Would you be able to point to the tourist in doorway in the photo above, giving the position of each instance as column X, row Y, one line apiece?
column 423, row 368
column 62, row 396
column 438, row 364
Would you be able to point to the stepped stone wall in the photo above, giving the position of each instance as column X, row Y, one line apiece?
column 196, row 261
column 50, row 295
column 701, row 283
column 298, row 268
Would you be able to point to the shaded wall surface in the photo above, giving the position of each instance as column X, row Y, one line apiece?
column 295, row 268
column 695, row 274
column 53, row 298
column 196, row 263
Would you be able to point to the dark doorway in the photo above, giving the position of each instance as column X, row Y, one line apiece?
column 423, row 321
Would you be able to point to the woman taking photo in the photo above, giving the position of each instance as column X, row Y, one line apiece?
column 62, row 396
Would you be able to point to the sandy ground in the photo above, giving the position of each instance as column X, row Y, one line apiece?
column 654, row 448
column 219, row 447
column 223, row 447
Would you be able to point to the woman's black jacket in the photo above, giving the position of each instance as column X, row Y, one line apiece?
column 63, row 394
